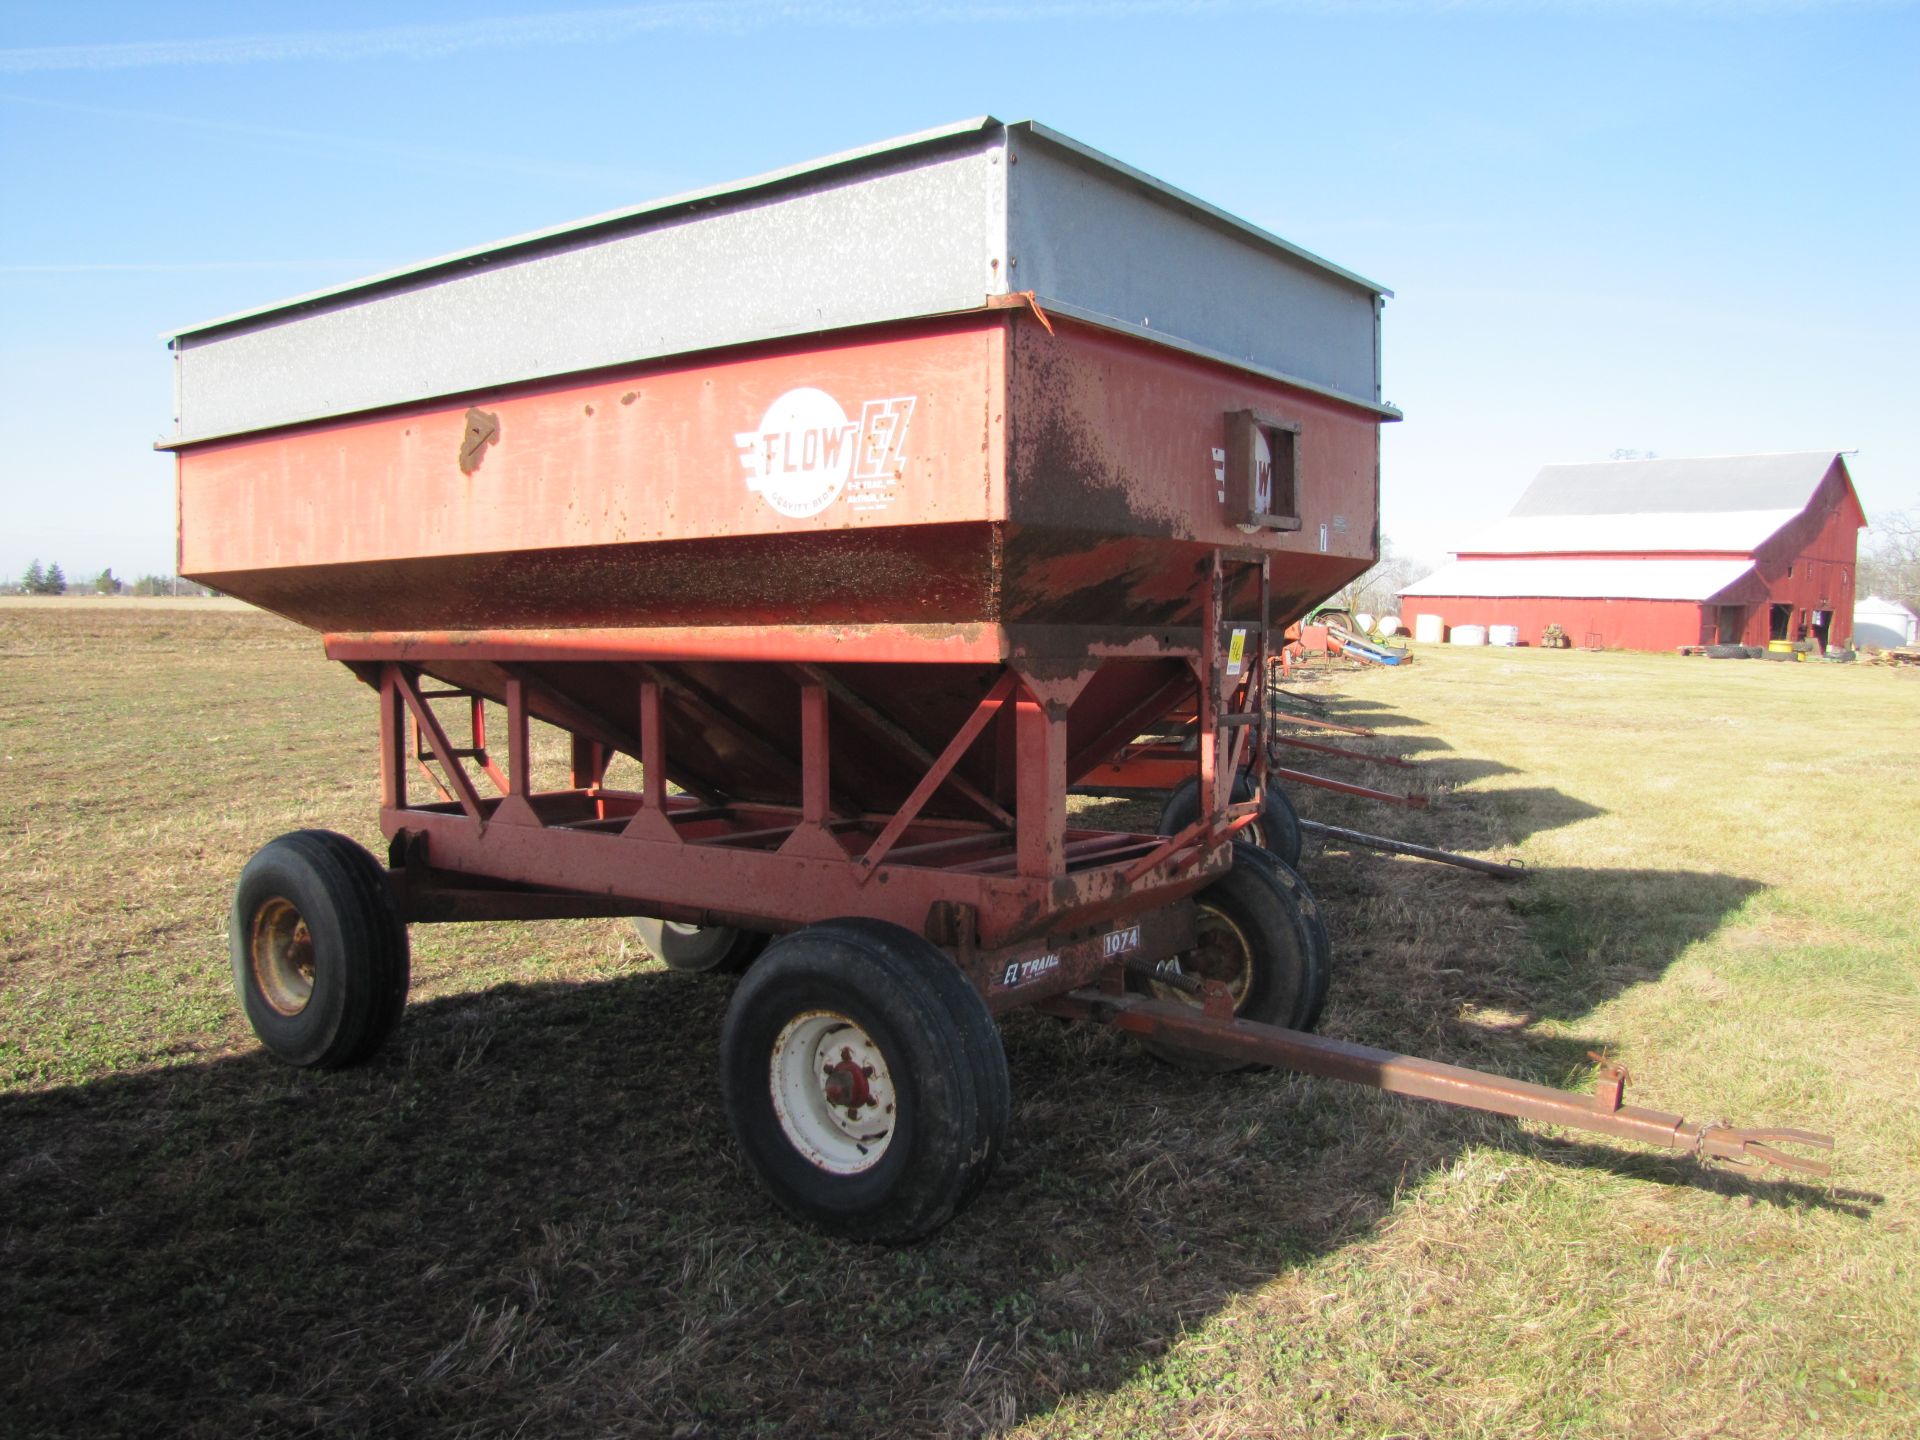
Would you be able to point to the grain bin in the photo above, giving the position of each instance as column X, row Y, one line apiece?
column 837, row 520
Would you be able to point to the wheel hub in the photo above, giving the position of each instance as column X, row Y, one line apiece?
column 846, row 1084
column 1223, row 954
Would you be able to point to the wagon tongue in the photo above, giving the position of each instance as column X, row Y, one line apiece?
column 1603, row 1111
column 1756, row 1147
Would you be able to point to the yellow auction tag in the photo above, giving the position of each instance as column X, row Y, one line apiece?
column 1236, row 647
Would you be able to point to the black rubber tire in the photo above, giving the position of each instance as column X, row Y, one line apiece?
column 986, row 1056
column 313, row 907
column 1262, row 905
column 1278, row 826
column 1756, row 652
column 934, row 1037
column 700, row 949
column 1319, row 942
column 1727, row 652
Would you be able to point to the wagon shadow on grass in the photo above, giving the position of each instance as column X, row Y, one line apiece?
column 526, row 1216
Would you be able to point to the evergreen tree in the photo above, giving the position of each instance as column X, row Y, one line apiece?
column 105, row 583
column 56, row 582
column 35, row 580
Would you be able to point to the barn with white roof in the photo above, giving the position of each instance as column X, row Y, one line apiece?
column 1655, row 554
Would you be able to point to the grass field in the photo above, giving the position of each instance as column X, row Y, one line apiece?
column 525, row 1217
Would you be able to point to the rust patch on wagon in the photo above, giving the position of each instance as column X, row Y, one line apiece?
column 483, row 430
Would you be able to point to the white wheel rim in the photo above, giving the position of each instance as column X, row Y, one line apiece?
column 832, row 1092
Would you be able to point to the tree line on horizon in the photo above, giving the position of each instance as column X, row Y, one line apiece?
column 52, row 580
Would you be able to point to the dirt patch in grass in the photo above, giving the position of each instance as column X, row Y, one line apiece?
column 525, row 1216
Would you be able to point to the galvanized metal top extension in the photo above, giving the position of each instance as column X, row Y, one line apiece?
column 929, row 224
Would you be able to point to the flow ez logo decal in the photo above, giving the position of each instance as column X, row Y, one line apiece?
column 807, row 453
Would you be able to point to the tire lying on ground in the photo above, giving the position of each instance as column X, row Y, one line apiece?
column 700, row 949
column 864, row 1080
column 1727, row 652
column 320, row 955
column 1277, row 830
column 1261, row 936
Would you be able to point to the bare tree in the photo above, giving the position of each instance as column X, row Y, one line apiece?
column 1890, row 563
column 1378, row 591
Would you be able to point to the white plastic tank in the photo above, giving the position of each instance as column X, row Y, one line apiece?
column 1365, row 622
column 1503, row 634
column 1469, row 635
column 1429, row 629
column 1389, row 625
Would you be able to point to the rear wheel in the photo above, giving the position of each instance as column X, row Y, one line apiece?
column 700, row 949
column 985, row 1056
column 1260, row 935
column 864, row 1080
column 320, row 957
column 1277, row 829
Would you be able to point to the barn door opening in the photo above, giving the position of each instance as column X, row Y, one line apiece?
column 1822, row 623
column 1733, row 624
column 1779, row 619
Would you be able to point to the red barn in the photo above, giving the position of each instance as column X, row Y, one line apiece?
column 1652, row 554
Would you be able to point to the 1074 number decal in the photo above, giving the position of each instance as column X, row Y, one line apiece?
column 1112, row 947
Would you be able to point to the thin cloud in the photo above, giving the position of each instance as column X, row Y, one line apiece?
column 283, row 140
column 418, row 42
column 574, row 27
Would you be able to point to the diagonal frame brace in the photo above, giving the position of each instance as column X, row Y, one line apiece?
column 883, row 724
column 441, row 746
column 989, row 706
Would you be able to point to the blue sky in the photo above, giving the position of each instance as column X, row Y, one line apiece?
column 1687, row 228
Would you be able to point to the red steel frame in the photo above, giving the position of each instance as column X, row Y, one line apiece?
column 1150, row 761
column 1030, row 905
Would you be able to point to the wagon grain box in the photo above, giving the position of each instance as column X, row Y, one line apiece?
column 869, row 506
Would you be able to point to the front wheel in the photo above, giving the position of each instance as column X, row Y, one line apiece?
column 1276, row 829
column 866, row 1090
column 319, row 951
column 1261, row 936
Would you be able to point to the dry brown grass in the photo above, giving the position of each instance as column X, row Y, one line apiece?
column 525, row 1218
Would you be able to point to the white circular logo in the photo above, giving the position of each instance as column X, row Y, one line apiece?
column 800, row 457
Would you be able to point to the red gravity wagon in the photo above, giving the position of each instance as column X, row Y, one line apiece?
column 868, row 506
